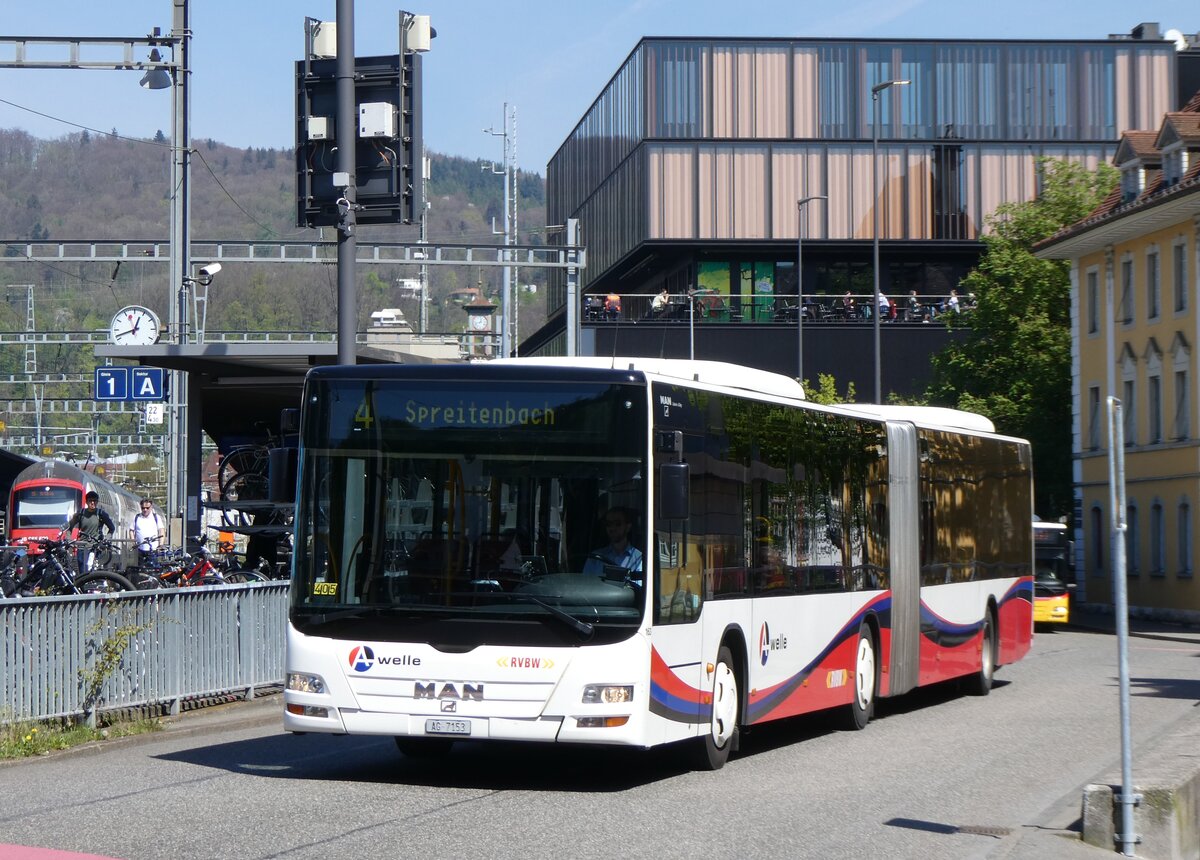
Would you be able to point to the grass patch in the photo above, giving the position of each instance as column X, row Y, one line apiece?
column 23, row 740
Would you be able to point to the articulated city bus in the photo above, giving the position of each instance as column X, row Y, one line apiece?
column 462, row 570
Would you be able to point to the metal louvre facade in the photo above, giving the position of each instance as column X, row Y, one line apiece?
column 714, row 140
column 165, row 646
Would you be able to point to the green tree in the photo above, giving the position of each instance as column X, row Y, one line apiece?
column 1015, row 364
column 826, row 392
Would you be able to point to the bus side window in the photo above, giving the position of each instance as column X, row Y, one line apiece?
column 677, row 572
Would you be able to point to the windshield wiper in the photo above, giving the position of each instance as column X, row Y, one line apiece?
column 583, row 628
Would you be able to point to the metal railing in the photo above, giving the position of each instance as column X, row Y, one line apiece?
column 706, row 306
column 75, row 657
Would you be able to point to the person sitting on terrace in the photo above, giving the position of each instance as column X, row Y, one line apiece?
column 914, row 306
column 658, row 304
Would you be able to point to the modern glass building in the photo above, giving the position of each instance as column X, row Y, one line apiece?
column 686, row 170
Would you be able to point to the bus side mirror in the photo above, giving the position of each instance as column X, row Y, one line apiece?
column 674, row 481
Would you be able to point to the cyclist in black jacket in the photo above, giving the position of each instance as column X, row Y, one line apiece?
column 91, row 521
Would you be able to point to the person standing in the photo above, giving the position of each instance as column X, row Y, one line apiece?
column 91, row 522
column 884, row 307
column 147, row 532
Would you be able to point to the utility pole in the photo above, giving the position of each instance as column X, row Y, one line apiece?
column 509, row 172
column 423, row 311
column 181, row 504
column 344, row 177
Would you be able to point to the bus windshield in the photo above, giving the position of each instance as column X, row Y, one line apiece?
column 460, row 513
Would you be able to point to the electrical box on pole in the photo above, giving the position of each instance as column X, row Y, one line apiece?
column 387, row 140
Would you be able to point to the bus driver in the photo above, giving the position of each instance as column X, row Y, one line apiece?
column 619, row 552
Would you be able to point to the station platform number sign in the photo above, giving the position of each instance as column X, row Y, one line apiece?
column 130, row 383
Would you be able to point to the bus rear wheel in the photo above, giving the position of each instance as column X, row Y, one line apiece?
column 712, row 750
column 980, row 684
column 862, row 707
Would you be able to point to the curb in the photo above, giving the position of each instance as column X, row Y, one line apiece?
column 264, row 710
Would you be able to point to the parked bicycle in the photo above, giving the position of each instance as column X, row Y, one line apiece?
column 53, row 572
column 100, row 552
column 175, row 568
column 244, row 477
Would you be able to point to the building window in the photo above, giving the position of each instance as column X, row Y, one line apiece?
column 1132, row 555
column 1097, row 536
column 1094, row 417
column 1179, row 275
column 1157, row 540
column 1126, row 314
column 1152, row 286
column 1131, row 182
column 1154, row 407
column 1093, row 302
column 1182, row 405
column 1183, row 536
column 1128, row 392
column 1172, row 166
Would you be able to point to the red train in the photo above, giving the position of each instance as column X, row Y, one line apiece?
column 46, row 494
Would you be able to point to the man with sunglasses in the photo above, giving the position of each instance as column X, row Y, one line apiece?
column 147, row 532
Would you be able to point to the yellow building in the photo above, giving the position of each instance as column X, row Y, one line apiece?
column 1135, row 274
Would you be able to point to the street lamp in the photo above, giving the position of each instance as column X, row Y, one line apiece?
column 800, row 282
column 875, row 91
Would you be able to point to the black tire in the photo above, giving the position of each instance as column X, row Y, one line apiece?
column 712, row 750
column 980, row 684
column 422, row 747
column 104, row 581
column 865, row 680
column 240, row 577
column 243, row 488
column 240, row 461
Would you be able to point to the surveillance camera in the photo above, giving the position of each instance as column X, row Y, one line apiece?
column 210, row 270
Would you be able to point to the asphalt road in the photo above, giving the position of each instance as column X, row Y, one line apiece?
column 936, row 775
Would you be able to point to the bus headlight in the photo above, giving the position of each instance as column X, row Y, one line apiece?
column 607, row 694
column 303, row 683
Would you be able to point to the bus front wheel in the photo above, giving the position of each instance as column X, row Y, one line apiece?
column 712, row 750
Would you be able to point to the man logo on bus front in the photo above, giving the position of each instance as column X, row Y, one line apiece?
column 362, row 658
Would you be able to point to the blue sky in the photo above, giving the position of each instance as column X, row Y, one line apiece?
column 548, row 58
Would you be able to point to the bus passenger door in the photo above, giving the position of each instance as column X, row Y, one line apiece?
column 678, row 681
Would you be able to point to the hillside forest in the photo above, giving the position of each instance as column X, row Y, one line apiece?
column 106, row 187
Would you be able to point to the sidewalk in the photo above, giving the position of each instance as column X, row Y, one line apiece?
column 1052, row 837
column 264, row 710
column 1090, row 617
